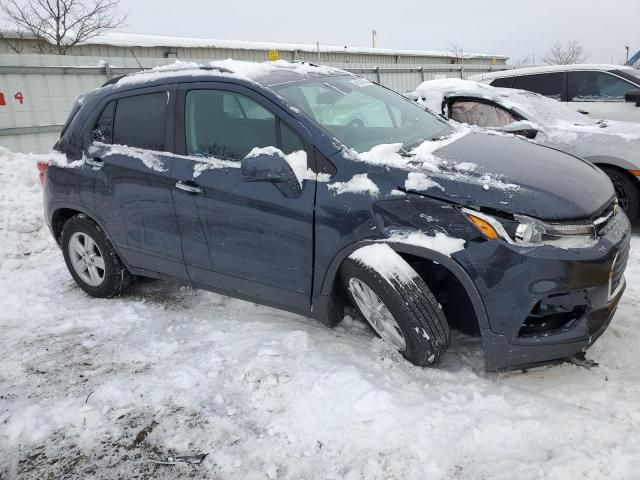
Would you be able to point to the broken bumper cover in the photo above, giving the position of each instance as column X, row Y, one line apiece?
column 547, row 303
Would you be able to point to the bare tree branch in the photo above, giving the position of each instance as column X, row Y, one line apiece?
column 456, row 52
column 58, row 25
column 559, row 54
column 18, row 45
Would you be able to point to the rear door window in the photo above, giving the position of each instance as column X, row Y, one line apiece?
column 548, row 84
column 597, row 87
column 140, row 121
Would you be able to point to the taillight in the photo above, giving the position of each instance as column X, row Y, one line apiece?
column 42, row 169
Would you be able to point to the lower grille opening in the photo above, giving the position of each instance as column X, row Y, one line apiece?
column 554, row 314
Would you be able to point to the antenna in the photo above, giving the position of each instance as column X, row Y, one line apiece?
column 135, row 58
column 374, row 34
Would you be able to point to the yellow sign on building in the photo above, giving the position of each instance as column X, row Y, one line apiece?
column 274, row 55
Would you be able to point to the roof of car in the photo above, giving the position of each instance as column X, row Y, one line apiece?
column 265, row 73
column 548, row 69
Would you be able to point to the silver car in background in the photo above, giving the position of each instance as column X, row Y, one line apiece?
column 611, row 145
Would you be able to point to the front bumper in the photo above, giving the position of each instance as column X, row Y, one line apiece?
column 546, row 303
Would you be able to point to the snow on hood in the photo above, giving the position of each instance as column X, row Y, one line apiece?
column 424, row 167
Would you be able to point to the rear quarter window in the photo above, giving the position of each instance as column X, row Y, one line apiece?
column 551, row 85
column 502, row 82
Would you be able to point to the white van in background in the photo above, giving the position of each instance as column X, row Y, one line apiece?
column 600, row 91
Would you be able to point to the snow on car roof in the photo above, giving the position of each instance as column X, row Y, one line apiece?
column 548, row 69
column 263, row 72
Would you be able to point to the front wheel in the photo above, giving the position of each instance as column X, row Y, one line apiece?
column 627, row 191
column 402, row 311
column 91, row 259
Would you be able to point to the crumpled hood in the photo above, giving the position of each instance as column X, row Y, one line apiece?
column 509, row 174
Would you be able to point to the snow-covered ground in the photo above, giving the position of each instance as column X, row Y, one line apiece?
column 99, row 388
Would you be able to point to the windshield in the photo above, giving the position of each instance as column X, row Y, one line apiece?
column 362, row 114
column 543, row 110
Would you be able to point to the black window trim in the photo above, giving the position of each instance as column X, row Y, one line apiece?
column 635, row 81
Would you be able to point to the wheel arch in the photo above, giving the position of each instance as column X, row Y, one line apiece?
column 605, row 161
column 330, row 282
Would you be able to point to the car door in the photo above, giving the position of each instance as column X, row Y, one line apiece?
column 132, row 189
column 245, row 239
column 602, row 95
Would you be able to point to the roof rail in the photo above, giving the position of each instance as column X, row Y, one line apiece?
column 115, row 80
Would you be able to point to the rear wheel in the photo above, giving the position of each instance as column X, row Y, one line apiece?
column 402, row 311
column 627, row 191
column 91, row 259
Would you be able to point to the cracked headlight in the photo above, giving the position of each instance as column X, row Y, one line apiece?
column 531, row 232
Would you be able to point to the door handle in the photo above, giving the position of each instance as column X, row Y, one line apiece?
column 188, row 186
column 96, row 163
column 584, row 112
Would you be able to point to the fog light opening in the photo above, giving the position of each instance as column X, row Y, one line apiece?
column 554, row 314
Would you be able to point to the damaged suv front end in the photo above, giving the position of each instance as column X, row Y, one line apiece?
column 552, row 296
column 526, row 239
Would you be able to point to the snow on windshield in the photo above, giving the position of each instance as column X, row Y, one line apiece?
column 360, row 114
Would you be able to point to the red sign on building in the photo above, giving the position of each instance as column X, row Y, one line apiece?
column 2, row 100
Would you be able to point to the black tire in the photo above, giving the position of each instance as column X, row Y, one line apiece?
column 627, row 191
column 116, row 276
column 414, row 308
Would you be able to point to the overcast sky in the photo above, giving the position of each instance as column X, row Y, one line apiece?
column 515, row 28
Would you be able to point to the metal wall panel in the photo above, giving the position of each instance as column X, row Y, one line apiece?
column 48, row 84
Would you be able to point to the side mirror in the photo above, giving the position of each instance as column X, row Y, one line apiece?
column 633, row 96
column 521, row 128
column 271, row 167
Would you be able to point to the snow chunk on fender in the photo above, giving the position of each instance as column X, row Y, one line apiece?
column 439, row 242
column 384, row 260
column 419, row 181
column 296, row 160
column 359, row 183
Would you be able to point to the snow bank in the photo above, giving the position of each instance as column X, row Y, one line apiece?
column 93, row 387
column 359, row 183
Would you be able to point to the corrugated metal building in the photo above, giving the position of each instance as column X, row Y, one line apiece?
column 37, row 90
column 159, row 46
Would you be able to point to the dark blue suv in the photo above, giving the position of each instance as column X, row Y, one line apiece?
column 310, row 189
